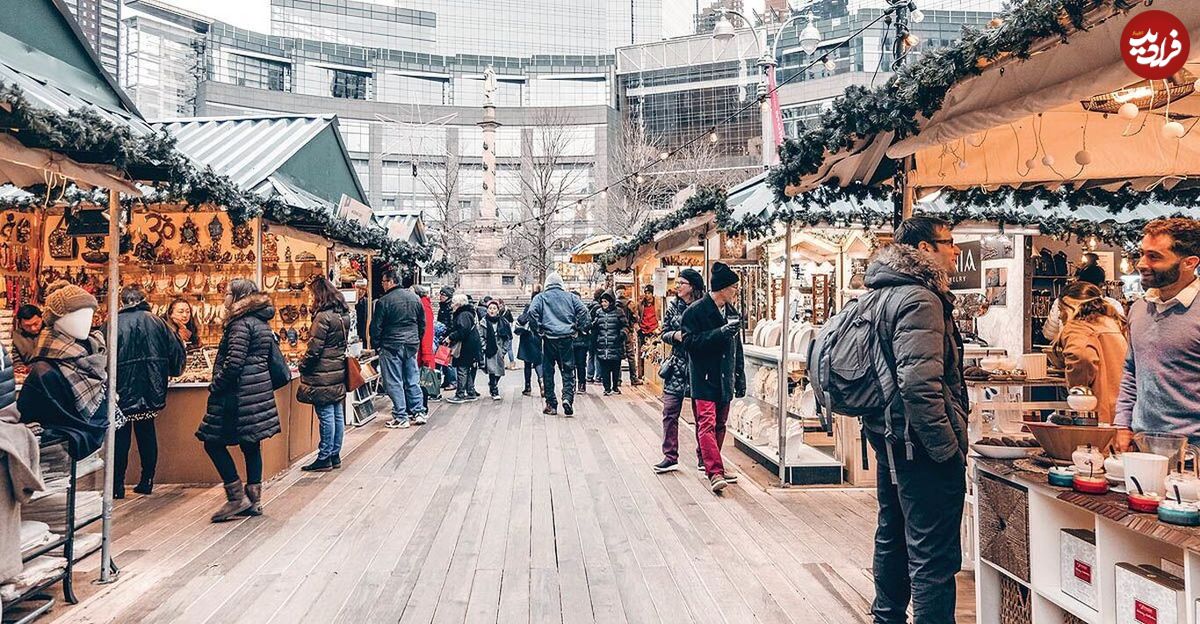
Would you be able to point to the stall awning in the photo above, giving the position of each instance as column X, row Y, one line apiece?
column 23, row 167
column 410, row 226
column 587, row 249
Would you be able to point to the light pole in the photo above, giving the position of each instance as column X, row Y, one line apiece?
column 810, row 39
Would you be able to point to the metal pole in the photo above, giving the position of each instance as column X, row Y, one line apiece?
column 905, row 196
column 110, row 434
column 785, row 344
column 258, row 251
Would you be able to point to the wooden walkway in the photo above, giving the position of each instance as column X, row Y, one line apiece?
column 494, row 512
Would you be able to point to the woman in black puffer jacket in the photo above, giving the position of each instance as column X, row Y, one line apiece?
column 241, row 400
column 323, row 371
column 464, row 334
column 610, row 330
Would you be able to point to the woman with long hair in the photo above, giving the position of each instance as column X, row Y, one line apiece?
column 182, row 320
column 323, row 371
column 241, row 401
column 1091, row 346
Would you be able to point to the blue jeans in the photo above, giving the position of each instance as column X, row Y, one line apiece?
column 593, row 365
column 332, row 418
column 449, row 375
column 402, row 381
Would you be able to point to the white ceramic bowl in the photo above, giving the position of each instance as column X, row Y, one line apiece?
column 1003, row 452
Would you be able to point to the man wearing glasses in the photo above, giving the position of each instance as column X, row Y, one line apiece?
column 921, row 475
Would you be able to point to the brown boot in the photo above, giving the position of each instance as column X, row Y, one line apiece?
column 254, row 493
column 235, row 502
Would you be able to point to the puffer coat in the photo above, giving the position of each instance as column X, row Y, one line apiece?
column 610, row 328
column 241, row 401
column 323, row 370
column 529, row 347
column 8, row 382
column 148, row 353
column 676, row 384
column 465, row 332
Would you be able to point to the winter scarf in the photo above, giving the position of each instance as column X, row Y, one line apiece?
column 86, row 371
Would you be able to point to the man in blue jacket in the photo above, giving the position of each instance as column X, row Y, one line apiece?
column 558, row 316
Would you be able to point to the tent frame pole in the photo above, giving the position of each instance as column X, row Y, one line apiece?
column 785, row 344
column 107, row 570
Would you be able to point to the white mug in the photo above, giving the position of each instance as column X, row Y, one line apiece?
column 1149, row 469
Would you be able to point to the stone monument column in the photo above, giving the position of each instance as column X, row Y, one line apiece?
column 487, row 208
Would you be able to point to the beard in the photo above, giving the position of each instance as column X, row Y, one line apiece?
column 1161, row 278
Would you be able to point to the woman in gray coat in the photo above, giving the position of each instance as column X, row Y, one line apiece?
column 323, row 371
column 496, row 332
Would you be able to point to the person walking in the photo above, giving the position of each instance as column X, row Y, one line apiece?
column 497, row 336
column 647, row 326
column 25, row 335
column 241, row 398
column 425, row 353
column 1162, row 369
column 631, row 344
column 1091, row 347
column 676, row 385
column 445, row 316
column 920, row 479
column 593, row 364
column 529, row 351
column 609, row 328
column 712, row 338
column 148, row 355
column 558, row 315
column 582, row 345
column 467, row 347
column 323, row 371
column 182, row 320
column 396, row 330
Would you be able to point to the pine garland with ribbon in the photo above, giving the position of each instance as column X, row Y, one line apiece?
column 704, row 201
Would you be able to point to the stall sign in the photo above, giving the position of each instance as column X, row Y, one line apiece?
column 350, row 208
column 395, row 230
column 968, row 274
column 660, row 282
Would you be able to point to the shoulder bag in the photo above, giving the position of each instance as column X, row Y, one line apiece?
column 354, row 376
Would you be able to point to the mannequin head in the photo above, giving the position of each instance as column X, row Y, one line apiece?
column 77, row 324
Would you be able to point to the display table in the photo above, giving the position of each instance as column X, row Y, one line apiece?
column 181, row 457
column 1022, row 518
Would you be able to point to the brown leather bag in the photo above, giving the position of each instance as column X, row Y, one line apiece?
column 354, row 376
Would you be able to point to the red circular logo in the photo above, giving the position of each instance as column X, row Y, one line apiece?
column 1155, row 45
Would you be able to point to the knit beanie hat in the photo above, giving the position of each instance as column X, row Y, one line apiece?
column 447, row 291
column 722, row 277
column 63, row 298
column 693, row 277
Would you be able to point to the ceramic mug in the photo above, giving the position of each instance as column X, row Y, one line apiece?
column 1149, row 469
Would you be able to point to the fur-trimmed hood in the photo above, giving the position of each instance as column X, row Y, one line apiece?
column 899, row 265
column 258, row 304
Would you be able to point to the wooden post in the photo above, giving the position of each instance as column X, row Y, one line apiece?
column 909, row 192
column 258, row 251
column 785, row 344
column 110, row 434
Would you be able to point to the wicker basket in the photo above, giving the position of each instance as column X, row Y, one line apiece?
column 1016, row 607
column 1004, row 525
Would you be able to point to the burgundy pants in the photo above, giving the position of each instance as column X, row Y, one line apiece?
column 710, row 433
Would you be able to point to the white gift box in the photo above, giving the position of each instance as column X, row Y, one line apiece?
column 1147, row 595
column 1077, row 565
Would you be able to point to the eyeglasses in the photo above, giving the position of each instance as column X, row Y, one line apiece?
column 943, row 241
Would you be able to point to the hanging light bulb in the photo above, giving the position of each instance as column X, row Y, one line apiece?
column 962, row 165
column 713, row 137
column 1030, row 164
column 830, row 64
column 665, row 155
column 916, row 16
column 1173, row 130
column 1083, row 158
column 640, row 179
column 604, row 194
column 1048, row 160
column 1092, row 242
column 1128, row 111
column 911, row 40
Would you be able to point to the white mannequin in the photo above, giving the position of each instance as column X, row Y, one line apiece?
column 77, row 324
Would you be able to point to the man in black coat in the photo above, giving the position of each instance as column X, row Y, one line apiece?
column 148, row 354
column 396, row 329
column 712, row 338
column 921, row 474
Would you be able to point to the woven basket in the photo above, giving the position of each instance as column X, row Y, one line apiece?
column 1015, row 604
column 1004, row 525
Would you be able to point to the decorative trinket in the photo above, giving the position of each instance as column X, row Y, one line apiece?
column 189, row 234
column 23, row 230
column 243, row 236
column 63, row 246
column 287, row 254
column 216, row 229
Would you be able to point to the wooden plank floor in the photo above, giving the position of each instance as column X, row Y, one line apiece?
column 494, row 512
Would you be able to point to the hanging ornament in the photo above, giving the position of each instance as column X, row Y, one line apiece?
column 1083, row 158
column 1048, row 160
column 1128, row 111
column 1030, row 164
column 1173, row 130
column 962, row 165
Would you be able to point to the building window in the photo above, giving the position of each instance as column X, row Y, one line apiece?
column 246, row 71
column 349, row 85
column 508, row 280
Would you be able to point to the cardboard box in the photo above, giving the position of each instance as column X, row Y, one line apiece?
column 1147, row 595
column 1077, row 565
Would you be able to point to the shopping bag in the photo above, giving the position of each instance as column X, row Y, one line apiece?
column 354, row 376
column 442, row 357
column 431, row 381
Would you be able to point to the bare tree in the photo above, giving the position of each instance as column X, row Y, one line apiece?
column 448, row 225
column 550, row 175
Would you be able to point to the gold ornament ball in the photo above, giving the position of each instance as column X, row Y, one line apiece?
column 1048, row 160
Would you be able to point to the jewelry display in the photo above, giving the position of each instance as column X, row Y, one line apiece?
column 63, row 246
column 24, row 229
column 270, row 283
column 289, row 313
column 270, row 248
column 304, row 333
column 96, row 254
column 181, row 282
column 189, row 233
column 161, row 225
column 10, row 223
column 243, row 236
column 215, row 230
column 292, row 337
column 287, row 254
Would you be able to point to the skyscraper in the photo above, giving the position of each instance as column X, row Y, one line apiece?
column 100, row 21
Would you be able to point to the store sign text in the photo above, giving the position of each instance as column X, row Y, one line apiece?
column 967, row 275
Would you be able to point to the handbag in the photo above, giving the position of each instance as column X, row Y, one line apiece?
column 668, row 368
column 456, row 350
column 354, row 376
column 431, row 381
column 443, row 356
column 281, row 373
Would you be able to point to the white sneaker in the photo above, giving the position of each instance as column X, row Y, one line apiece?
column 398, row 424
column 420, row 419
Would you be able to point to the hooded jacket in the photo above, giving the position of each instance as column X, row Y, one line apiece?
column 715, row 363
column 529, row 346
column 557, row 313
column 677, row 384
column 610, row 329
column 323, row 370
column 465, row 332
column 148, row 354
column 1093, row 355
column 241, row 400
column 920, row 337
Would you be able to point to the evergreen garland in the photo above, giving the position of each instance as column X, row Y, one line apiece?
column 705, row 200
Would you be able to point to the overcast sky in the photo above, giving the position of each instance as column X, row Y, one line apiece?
column 256, row 14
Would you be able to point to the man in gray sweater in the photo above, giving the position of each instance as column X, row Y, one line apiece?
column 1162, row 369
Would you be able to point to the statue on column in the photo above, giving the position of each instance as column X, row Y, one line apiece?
column 489, row 86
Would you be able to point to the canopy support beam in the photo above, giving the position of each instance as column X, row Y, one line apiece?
column 785, row 344
column 110, row 435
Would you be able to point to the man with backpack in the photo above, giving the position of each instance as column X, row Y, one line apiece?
column 712, row 339
column 894, row 358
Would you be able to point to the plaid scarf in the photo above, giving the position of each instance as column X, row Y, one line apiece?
column 87, row 373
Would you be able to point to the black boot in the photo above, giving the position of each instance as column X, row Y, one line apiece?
column 318, row 465
column 145, row 486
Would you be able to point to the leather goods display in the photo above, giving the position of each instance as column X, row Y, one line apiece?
column 63, row 246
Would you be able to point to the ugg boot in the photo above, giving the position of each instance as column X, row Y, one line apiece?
column 254, row 493
column 235, row 502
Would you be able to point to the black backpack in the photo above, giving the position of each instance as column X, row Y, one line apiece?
column 850, row 371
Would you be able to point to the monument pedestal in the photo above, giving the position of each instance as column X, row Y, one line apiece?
column 488, row 273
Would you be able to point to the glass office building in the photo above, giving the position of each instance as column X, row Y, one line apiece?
column 100, row 22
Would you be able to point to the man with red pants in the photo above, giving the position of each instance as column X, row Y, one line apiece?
column 712, row 338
